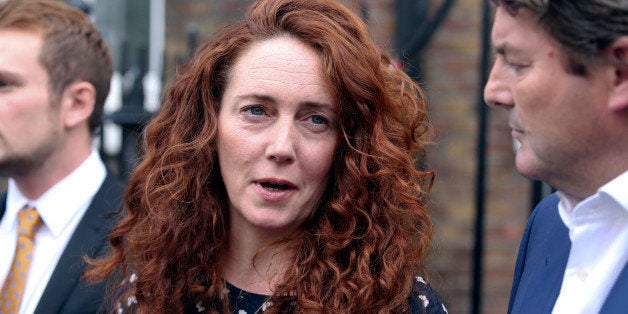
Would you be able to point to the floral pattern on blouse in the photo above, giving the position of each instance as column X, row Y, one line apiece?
column 423, row 300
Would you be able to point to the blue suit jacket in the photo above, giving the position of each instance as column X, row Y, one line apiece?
column 542, row 261
column 66, row 292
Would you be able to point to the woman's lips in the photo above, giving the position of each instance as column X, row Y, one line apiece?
column 273, row 190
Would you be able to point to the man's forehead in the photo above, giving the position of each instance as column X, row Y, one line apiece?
column 513, row 33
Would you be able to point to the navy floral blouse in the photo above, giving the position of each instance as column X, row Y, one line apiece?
column 423, row 300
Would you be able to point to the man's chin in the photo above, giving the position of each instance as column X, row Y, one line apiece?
column 13, row 168
column 528, row 166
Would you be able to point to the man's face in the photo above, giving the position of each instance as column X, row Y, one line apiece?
column 30, row 126
column 557, row 117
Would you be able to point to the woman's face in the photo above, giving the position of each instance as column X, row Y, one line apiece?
column 277, row 134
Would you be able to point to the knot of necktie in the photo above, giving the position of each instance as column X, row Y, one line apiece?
column 28, row 221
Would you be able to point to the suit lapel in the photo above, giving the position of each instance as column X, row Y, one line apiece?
column 556, row 255
column 617, row 300
column 543, row 276
column 542, row 260
column 89, row 238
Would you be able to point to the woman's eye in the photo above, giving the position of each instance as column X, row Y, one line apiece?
column 318, row 120
column 255, row 110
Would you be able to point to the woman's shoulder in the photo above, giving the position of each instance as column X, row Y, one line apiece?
column 424, row 299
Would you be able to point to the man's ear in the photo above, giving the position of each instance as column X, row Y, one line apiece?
column 618, row 55
column 78, row 102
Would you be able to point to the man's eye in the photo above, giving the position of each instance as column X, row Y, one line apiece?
column 517, row 66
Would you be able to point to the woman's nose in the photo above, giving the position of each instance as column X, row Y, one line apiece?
column 281, row 140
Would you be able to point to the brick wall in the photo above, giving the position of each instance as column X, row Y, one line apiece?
column 452, row 64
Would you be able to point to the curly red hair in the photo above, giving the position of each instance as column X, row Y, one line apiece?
column 361, row 248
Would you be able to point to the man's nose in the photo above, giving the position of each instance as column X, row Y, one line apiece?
column 497, row 91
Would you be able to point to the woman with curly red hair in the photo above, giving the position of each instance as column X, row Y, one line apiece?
column 280, row 176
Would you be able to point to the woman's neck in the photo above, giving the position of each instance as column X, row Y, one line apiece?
column 254, row 264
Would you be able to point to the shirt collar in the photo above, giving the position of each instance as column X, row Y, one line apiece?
column 55, row 207
column 618, row 190
column 612, row 192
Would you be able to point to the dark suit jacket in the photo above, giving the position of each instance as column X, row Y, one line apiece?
column 66, row 292
column 542, row 261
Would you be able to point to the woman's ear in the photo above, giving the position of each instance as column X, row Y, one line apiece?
column 78, row 102
column 618, row 55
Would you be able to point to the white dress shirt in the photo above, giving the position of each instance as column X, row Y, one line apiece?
column 61, row 209
column 598, row 229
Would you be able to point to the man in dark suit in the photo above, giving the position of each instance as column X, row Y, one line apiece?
column 561, row 72
column 55, row 70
